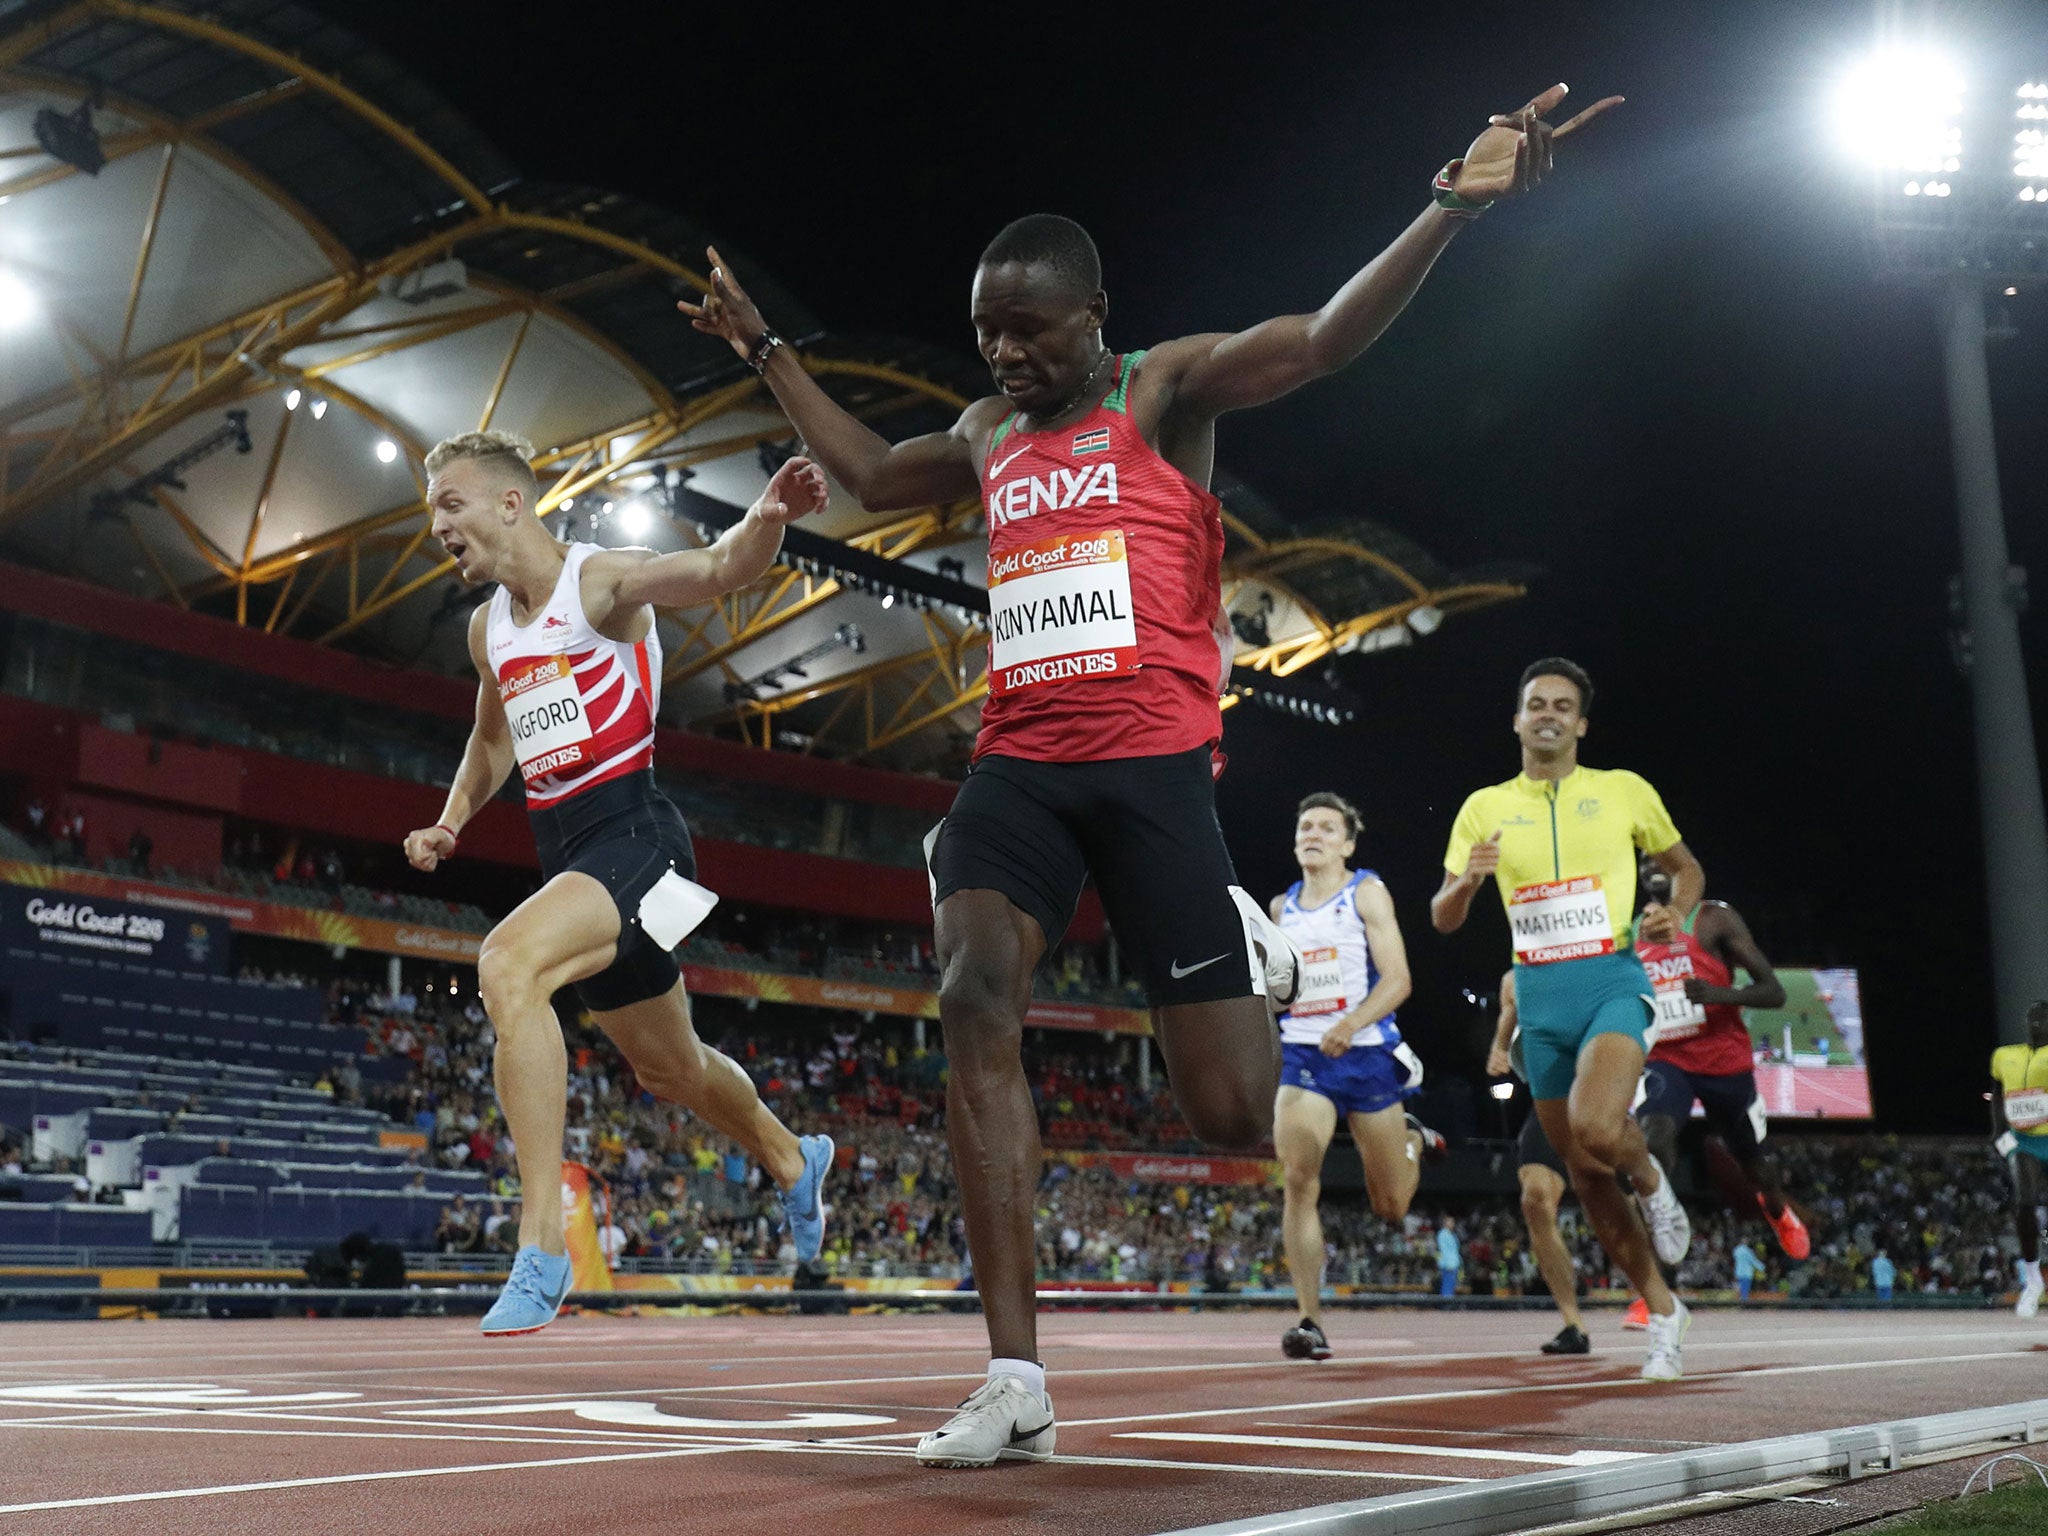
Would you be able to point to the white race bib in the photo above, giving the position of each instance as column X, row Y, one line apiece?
column 1560, row 920
column 1060, row 609
column 1678, row 1016
column 2027, row 1109
column 550, row 731
column 1321, row 989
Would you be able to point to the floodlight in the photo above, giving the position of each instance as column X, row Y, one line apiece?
column 292, row 397
column 1504, row 1091
column 1424, row 620
column 17, row 301
column 888, row 599
column 319, row 409
column 635, row 518
column 387, row 450
column 1898, row 110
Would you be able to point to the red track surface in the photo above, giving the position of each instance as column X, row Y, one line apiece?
column 675, row 1426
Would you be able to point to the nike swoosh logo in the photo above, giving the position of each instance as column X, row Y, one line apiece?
column 1018, row 1437
column 997, row 469
column 1177, row 970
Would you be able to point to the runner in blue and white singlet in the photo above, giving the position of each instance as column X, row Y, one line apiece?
column 1341, row 1051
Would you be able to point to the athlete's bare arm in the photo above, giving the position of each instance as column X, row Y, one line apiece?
column 882, row 476
column 1389, row 954
column 619, row 584
column 1204, row 376
column 486, row 760
column 1452, row 903
column 1498, row 1062
column 1723, row 933
column 1660, row 923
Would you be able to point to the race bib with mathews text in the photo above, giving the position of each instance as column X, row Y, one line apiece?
column 1560, row 920
column 1060, row 609
column 550, row 731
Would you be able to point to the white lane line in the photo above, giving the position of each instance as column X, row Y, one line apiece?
column 94, row 1501
column 586, row 1438
column 1386, row 1448
column 1620, row 1383
column 1519, row 1355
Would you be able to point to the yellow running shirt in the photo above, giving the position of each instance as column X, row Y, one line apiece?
column 2022, row 1073
column 1567, row 856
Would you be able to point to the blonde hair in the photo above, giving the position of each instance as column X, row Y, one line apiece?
column 505, row 455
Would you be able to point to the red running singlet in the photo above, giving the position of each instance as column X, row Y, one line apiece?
column 1712, row 1041
column 1104, row 577
column 581, row 705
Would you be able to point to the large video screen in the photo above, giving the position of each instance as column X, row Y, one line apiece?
column 1809, row 1054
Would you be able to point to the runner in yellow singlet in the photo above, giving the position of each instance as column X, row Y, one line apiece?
column 2019, row 1111
column 1560, row 841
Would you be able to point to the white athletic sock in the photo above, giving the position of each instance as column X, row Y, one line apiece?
column 1030, row 1372
column 2030, row 1271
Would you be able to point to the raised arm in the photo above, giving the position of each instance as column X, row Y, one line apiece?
column 882, row 476
column 629, row 578
column 486, row 761
column 1227, row 372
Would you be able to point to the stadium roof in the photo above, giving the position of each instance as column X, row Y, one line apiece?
column 290, row 226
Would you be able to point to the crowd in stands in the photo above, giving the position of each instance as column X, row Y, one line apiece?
column 680, row 1194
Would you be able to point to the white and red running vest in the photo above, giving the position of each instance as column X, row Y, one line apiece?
column 581, row 706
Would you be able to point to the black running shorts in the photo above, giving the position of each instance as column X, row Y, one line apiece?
column 1144, row 828
column 626, row 835
column 1728, row 1099
column 1535, row 1147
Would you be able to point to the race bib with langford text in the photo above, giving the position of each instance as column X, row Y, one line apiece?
column 1321, row 989
column 1060, row 609
column 1560, row 920
column 1678, row 1016
column 550, row 732
column 2027, row 1110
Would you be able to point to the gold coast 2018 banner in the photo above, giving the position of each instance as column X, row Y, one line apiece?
column 245, row 915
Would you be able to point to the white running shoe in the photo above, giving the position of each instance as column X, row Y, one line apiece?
column 1284, row 963
column 1670, row 1228
column 1001, row 1417
column 1667, row 1344
column 2030, row 1299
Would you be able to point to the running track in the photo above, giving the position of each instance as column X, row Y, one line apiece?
column 743, row 1424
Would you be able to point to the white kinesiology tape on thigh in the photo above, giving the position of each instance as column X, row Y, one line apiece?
column 1412, row 1062
column 672, row 909
column 1258, row 929
column 931, row 842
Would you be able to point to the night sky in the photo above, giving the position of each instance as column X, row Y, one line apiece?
column 1667, row 379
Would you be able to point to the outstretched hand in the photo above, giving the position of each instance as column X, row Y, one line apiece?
column 798, row 490
column 726, row 310
column 1516, row 151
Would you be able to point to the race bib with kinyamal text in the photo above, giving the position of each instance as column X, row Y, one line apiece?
column 1060, row 609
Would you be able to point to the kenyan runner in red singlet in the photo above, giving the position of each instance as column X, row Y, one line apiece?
column 570, row 665
column 1104, row 667
column 1700, row 1048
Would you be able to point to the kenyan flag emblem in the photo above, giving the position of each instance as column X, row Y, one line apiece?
column 1092, row 442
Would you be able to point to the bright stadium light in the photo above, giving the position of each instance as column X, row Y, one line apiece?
column 387, row 450
column 17, row 301
column 1504, row 1091
column 1900, row 110
column 319, row 409
column 291, row 399
column 1951, row 214
column 635, row 519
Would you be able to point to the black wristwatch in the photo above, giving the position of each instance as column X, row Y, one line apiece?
column 763, row 349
